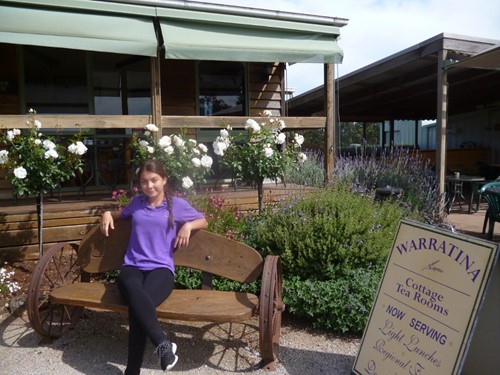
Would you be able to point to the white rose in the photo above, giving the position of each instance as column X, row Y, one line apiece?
column 267, row 113
column 38, row 124
column 186, row 182
column 268, row 152
column 77, row 148
column 48, row 144
column 281, row 138
column 219, row 147
column 281, row 124
column 165, row 141
column 169, row 150
column 178, row 141
column 253, row 125
column 20, row 173
column 206, row 161
column 4, row 156
column 224, row 133
column 299, row 139
column 203, row 148
column 143, row 143
column 151, row 128
column 38, row 141
column 150, row 149
column 51, row 153
column 301, row 157
column 196, row 162
column 10, row 135
column 81, row 148
column 192, row 142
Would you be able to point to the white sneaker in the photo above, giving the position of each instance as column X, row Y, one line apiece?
column 176, row 358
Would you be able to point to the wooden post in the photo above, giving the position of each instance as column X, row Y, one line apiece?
column 330, row 126
column 156, row 92
column 442, row 116
column 39, row 211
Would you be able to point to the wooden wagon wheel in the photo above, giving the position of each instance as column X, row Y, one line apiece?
column 270, row 309
column 57, row 267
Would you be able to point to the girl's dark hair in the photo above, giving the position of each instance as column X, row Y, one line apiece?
column 154, row 166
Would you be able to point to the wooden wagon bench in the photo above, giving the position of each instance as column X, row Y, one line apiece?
column 60, row 286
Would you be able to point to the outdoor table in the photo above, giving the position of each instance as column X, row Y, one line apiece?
column 455, row 183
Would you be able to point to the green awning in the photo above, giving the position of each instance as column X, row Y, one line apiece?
column 195, row 35
column 78, row 29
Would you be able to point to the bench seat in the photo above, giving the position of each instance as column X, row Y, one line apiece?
column 189, row 305
column 62, row 285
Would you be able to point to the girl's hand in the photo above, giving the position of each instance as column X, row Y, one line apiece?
column 182, row 239
column 107, row 223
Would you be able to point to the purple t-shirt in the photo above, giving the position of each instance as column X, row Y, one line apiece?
column 151, row 243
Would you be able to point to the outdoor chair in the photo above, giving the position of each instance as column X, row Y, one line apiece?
column 491, row 193
column 479, row 193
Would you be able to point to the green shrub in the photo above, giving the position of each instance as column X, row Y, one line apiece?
column 188, row 278
column 342, row 304
column 322, row 235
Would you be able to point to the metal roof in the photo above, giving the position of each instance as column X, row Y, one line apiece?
column 403, row 86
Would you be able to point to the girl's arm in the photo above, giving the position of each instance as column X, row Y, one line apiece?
column 108, row 220
column 182, row 239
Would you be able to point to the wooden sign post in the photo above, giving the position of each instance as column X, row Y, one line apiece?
column 426, row 307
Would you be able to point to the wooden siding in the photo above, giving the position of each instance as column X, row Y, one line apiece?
column 462, row 160
column 63, row 221
column 265, row 88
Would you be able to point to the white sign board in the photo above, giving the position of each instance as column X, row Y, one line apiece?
column 425, row 309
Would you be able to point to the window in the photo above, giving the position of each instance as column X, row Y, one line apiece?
column 55, row 80
column 121, row 84
column 221, row 89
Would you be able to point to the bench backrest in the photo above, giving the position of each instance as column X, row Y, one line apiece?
column 207, row 252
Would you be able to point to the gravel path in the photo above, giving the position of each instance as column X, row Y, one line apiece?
column 98, row 347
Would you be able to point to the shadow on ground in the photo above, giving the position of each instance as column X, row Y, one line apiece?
column 98, row 345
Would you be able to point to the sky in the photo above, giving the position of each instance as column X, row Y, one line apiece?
column 379, row 28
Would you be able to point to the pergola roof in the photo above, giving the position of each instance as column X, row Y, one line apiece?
column 404, row 86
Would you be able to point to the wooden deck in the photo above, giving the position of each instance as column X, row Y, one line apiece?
column 71, row 218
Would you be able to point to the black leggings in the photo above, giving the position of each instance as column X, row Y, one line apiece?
column 143, row 291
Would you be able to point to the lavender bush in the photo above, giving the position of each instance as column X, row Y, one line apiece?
column 396, row 167
column 310, row 173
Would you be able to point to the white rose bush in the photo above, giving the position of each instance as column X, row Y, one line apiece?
column 185, row 160
column 265, row 151
column 35, row 164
